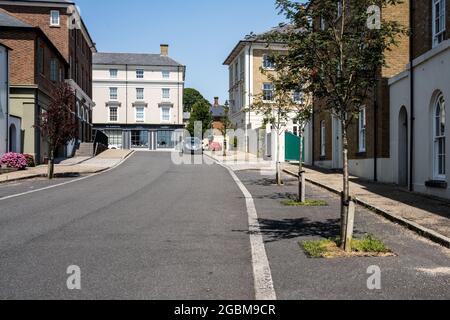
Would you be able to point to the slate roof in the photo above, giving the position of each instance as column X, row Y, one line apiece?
column 217, row 111
column 9, row 21
column 137, row 59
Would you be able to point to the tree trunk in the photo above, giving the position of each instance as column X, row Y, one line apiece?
column 51, row 165
column 224, row 146
column 301, row 173
column 346, row 237
column 278, row 169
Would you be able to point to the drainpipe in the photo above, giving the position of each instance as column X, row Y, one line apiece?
column 375, row 133
column 7, row 101
column 250, row 60
column 313, row 136
column 411, row 98
column 126, row 94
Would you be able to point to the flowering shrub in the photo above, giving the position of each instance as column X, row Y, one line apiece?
column 30, row 160
column 14, row 160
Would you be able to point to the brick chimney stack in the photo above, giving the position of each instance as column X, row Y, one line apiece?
column 165, row 50
column 216, row 101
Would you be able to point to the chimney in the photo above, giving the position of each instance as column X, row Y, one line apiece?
column 165, row 50
column 216, row 101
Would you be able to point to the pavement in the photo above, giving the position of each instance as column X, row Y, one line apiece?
column 423, row 214
column 148, row 229
column 421, row 269
column 72, row 166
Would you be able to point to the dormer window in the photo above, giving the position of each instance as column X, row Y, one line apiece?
column 55, row 19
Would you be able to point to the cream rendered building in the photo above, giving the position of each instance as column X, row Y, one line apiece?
column 4, row 100
column 139, row 99
column 246, row 80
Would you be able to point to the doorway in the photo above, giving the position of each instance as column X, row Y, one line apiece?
column 13, row 138
column 338, row 162
column 403, row 147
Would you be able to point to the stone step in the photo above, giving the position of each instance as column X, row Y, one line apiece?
column 85, row 150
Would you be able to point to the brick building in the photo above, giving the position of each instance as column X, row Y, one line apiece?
column 418, row 96
column 50, row 44
column 369, row 137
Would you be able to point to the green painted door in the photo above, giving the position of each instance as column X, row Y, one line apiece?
column 292, row 147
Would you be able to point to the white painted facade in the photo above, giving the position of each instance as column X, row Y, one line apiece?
column 127, row 85
column 138, row 106
column 243, row 67
column 4, row 100
column 431, row 84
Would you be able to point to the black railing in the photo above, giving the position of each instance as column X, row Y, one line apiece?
column 100, row 139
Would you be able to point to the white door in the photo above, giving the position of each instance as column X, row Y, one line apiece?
column 338, row 163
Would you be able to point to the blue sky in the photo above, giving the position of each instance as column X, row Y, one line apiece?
column 201, row 33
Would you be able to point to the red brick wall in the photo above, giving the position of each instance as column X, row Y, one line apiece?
column 22, row 57
column 423, row 28
column 40, row 16
column 70, row 43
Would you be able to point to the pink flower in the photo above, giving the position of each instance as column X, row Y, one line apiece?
column 14, row 160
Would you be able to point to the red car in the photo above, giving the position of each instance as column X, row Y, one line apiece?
column 215, row 146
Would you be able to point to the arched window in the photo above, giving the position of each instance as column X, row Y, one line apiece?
column 78, row 110
column 439, row 138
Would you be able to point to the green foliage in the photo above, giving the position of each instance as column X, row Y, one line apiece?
column 307, row 203
column 316, row 248
column 201, row 112
column 369, row 244
column 340, row 60
column 191, row 97
column 329, row 248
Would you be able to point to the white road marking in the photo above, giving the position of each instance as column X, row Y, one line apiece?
column 65, row 183
column 262, row 274
column 435, row 272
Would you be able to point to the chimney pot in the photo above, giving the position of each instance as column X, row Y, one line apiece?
column 165, row 50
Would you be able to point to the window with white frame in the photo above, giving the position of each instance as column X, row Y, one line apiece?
column 322, row 23
column 166, row 74
column 362, row 129
column 139, row 93
column 268, row 92
column 113, row 93
column 323, row 146
column 55, row 19
column 140, row 114
column 113, row 114
column 140, row 73
column 165, row 114
column 268, row 62
column 54, row 70
column 297, row 96
column 113, row 73
column 438, row 21
column 340, row 8
column 439, row 138
column 166, row 93
column 78, row 110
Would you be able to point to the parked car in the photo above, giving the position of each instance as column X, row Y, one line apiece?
column 193, row 146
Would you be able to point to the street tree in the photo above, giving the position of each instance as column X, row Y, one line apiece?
column 342, row 45
column 276, row 107
column 201, row 112
column 191, row 97
column 58, row 125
